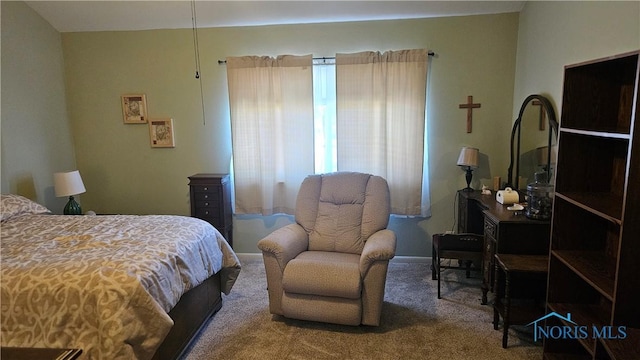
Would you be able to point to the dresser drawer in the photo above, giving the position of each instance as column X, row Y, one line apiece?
column 206, row 203
column 211, row 193
column 207, row 213
column 215, row 221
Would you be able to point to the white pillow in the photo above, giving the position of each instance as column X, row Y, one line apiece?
column 16, row 205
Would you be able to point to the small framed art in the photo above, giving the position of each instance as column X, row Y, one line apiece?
column 161, row 133
column 134, row 109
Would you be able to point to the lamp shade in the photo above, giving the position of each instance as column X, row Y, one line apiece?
column 68, row 183
column 468, row 157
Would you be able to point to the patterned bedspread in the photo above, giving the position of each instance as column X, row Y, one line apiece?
column 103, row 283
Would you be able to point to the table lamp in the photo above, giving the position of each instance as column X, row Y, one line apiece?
column 69, row 184
column 468, row 160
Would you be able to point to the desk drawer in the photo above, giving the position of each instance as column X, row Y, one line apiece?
column 488, row 260
column 490, row 228
column 462, row 214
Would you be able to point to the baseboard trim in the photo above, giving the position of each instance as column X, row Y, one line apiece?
column 397, row 259
column 411, row 259
column 249, row 256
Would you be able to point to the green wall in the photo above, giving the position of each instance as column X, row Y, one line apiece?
column 50, row 116
column 553, row 34
column 36, row 135
column 475, row 56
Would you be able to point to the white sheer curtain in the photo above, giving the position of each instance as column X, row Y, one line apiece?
column 381, row 100
column 271, row 103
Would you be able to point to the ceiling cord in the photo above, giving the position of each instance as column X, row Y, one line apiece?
column 196, row 51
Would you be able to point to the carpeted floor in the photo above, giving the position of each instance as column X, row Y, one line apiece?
column 415, row 324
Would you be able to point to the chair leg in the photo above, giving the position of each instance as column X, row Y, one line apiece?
column 468, row 265
column 498, row 296
column 438, row 269
column 433, row 262
column 507, row 309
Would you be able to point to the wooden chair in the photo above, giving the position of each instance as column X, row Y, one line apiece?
column 467, row 248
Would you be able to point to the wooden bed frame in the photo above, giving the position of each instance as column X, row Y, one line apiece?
column 190, row 315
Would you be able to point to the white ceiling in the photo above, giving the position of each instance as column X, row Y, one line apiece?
column 98, row 15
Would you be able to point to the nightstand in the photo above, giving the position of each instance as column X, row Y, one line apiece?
column 210, row 196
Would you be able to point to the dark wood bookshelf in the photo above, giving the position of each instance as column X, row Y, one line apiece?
column 594, row 251
column 554, row 356
column 628, row 348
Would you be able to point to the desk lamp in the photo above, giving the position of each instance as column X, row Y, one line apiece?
column 468, row 160
column 69, row 184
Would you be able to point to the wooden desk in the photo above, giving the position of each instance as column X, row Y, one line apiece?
column 505, row 231
column 13, row 353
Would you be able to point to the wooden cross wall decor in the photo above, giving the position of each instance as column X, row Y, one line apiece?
column 469, row 106
column 542, row 116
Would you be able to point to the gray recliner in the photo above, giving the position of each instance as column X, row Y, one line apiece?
column 331, row 265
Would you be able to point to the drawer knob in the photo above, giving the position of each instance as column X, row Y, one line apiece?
column 206, row 188
column 206, row 212
column 206, row 196
column 206, row 204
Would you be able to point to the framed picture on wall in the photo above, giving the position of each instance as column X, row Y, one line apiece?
column 134, row 109
column 161, row 133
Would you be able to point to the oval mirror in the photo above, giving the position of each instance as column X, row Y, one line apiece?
column 533, row 142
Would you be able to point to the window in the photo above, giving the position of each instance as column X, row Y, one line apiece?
column 324, row 116
column 290, row 118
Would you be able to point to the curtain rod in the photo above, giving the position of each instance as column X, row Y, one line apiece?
column 222, row 62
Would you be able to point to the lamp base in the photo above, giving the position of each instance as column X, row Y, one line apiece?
column 72, row 207
column 468, row 177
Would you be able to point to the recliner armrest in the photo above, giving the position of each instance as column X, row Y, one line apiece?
column 380, row 246
column 285, row 243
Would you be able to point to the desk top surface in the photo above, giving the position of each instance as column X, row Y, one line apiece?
column 499, row 212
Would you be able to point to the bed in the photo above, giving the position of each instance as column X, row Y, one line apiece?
column 116, row 286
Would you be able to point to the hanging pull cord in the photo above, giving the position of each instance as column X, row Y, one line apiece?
column 196, row 47
column 196, row 51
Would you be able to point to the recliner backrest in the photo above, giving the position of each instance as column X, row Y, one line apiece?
column 341, row 210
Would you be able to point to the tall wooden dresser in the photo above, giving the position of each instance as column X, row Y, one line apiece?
column 210, row 196
column 595, row 239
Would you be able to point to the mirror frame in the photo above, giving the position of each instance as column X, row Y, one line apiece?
column 515, row 131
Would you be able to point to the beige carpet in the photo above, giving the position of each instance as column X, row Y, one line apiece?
column 415, row 324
